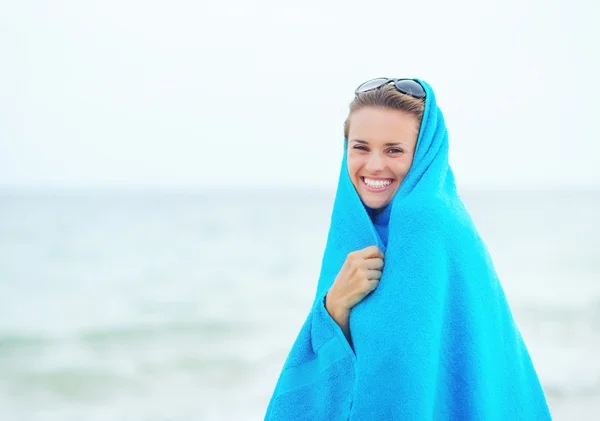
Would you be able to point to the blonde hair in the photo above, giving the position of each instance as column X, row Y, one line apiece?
column 385, row 97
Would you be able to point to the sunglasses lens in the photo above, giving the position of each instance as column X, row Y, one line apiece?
column 371, row 84
column 410, row 87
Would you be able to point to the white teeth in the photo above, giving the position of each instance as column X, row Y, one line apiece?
column 377, row 184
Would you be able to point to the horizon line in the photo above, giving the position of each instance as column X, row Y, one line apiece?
column 25, row 188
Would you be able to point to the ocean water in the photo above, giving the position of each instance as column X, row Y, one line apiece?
column 182, row 306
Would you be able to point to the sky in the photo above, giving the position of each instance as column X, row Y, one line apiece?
column 254, row 93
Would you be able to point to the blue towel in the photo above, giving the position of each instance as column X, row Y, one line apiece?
column 436, row 340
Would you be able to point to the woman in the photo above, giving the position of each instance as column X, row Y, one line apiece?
column 410, row 321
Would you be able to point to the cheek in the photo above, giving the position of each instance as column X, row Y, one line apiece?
column 402, row 166
column 354, row 164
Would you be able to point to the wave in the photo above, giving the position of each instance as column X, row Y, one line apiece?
column 210, row 329
column 570, row 390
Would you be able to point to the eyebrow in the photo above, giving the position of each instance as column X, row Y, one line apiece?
column 364, row 142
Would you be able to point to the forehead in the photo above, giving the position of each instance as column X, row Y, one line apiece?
column 383, row 125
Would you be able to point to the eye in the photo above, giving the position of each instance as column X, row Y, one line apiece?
column 395, row 150
column 361, row 148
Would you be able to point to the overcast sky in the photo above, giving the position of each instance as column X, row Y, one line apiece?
column 197, row 93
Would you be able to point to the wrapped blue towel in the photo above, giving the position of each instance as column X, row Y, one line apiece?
column 436, row 340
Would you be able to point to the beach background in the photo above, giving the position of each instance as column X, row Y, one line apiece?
column 182, row 306
column 167, row 172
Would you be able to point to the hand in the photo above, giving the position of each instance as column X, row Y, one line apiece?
column 358, row 277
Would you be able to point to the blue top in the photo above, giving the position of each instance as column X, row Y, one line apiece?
column 380, row 219
column 436, row 340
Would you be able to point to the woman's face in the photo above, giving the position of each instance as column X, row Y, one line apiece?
column 381, row 146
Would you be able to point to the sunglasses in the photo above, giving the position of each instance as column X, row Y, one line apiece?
column 406, row 86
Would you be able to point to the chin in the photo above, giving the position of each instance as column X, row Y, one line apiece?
column 376, row 200
column 375, row 203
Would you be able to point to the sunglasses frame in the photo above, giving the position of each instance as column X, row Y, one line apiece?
column 385, row 81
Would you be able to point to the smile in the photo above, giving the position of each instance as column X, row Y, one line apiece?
column 376, row 185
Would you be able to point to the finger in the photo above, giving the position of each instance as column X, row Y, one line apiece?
column 373, row 283
column 374, row 263
column 373, row 274
column 372, row 251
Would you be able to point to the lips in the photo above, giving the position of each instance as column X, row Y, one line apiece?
column 376, row 184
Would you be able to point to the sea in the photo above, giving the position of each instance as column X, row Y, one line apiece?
column 181, row 305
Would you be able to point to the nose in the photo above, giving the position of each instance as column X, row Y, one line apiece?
column 375, row 163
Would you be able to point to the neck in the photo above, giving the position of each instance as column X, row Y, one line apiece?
column 375, row 212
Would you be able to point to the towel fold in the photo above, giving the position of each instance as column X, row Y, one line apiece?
column 436, row 340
